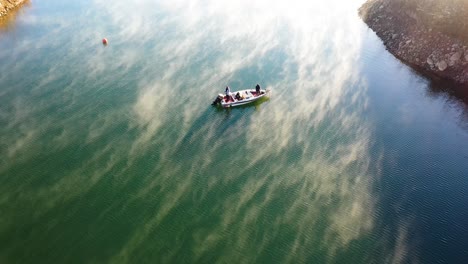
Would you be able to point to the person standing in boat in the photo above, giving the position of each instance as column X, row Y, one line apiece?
column 257, row 89
column 228, row 94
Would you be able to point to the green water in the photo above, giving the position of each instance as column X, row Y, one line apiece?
column 113, row 154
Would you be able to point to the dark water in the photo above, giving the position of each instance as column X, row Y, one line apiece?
column 113, row 154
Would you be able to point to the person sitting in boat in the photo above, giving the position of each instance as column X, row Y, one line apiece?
column 257, row 89
column 239, row 96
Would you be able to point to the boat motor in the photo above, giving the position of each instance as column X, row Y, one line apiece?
column 218, row 99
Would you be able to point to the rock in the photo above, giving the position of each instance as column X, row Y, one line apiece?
column 412, row 34
column 456, row 56
column 442, row 65
column 430, row 62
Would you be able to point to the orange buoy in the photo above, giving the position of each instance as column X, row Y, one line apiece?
column 104, row 41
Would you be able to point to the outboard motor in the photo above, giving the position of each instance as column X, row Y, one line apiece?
column 218, row 99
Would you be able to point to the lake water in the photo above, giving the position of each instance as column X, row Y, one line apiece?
column 113, row 154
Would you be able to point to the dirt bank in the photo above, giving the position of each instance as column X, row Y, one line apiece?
column 7, row 5
column 428, row 35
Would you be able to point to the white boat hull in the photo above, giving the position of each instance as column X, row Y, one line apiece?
column 247, row 96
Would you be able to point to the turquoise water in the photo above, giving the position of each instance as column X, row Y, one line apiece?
column 113, row 154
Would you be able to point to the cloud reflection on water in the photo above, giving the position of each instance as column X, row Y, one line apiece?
column 324, row 97
column 182, row 51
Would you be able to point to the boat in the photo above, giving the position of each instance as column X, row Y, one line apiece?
column 241, row 97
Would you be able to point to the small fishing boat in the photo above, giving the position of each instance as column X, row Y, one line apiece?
column 241, row 97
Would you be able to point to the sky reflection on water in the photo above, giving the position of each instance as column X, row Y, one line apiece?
column 315, row 119
column 342, row 178
column 123, row 137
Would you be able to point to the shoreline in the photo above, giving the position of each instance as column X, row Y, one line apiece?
column 7, row 5
column 427, row 50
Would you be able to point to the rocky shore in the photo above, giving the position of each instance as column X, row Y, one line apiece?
column 414, row 32
column 7, row 5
